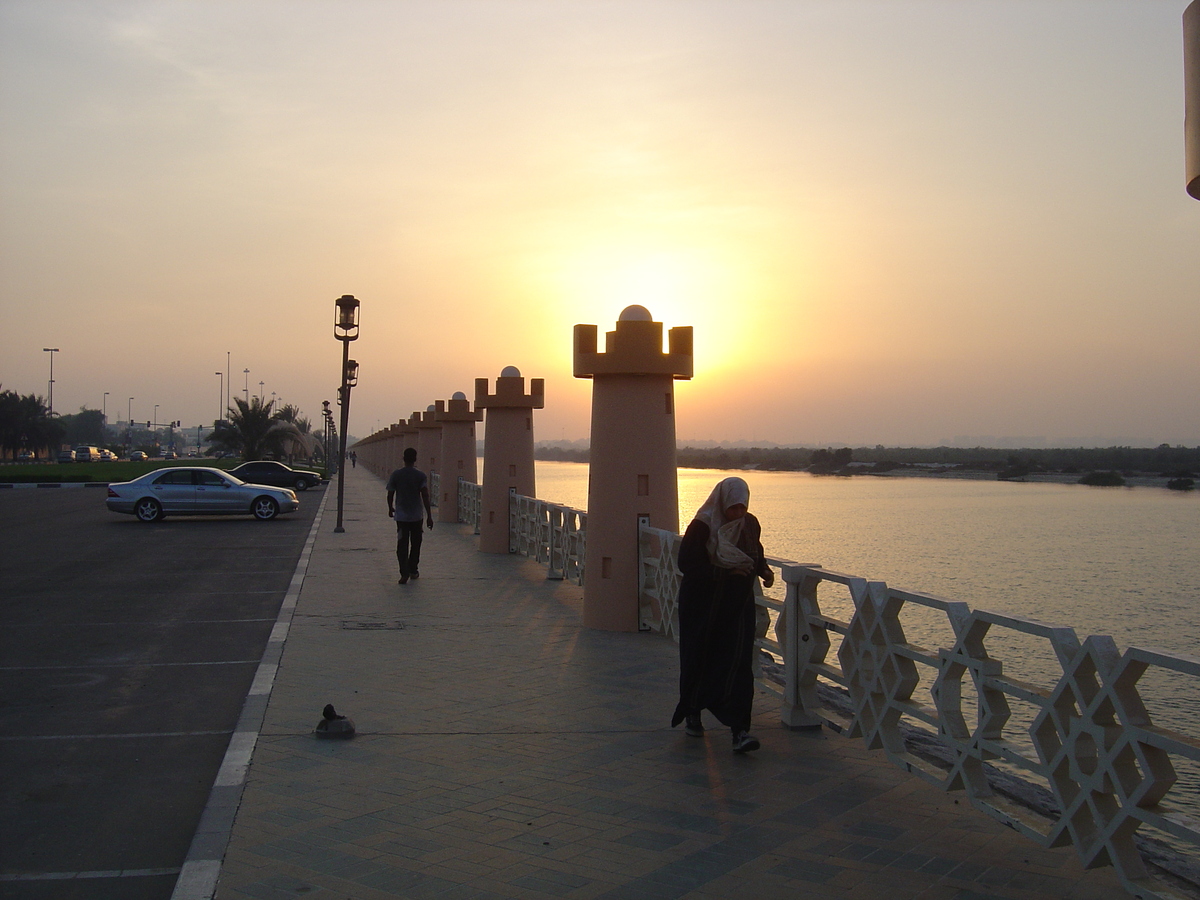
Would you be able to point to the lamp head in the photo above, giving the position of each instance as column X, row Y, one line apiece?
column 345, row 323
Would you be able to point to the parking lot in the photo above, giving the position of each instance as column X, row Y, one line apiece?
column 128, row 649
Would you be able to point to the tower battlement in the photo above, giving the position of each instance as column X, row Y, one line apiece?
column 634, row 348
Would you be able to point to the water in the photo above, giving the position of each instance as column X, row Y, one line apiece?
column 1124, row 562
column 1117, row 561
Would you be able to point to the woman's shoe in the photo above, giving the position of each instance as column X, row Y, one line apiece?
column 744, row 742
column 694, row 727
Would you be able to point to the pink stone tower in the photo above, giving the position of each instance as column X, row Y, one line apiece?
column 632, row 471
column 458, row 450
column 404, row 435
column 507, row 450
column 429, row 442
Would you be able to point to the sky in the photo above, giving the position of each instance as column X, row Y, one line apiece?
column 899, row 222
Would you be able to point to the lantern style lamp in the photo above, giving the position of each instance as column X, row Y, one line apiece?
column 345, row 322
column 345, row 329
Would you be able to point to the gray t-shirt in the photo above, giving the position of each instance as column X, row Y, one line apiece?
column 407, row 484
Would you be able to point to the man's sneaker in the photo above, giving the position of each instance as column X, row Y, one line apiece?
column 404, row 579
column 694, row 726
column 415, row 574
column 744, row 742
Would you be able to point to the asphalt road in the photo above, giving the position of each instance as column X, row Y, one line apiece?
column 127, row 652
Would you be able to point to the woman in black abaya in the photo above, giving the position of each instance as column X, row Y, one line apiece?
column 720, row 556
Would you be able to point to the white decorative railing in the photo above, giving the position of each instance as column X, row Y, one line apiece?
column 550, row 533
column 658, row 579
column 1067, row 754
column 1085, row 735
column 470, row 503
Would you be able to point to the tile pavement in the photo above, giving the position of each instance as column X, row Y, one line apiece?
column 504, row 751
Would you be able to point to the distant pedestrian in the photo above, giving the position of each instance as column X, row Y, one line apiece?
column 353, row 460
column 720, row 556
column 407, row 493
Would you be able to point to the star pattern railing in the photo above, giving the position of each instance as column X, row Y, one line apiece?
column 552, row 534
column 1076, row 724
column 470, row 503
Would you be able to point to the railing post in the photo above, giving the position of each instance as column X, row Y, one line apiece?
column 555, row 541
column 801, row 644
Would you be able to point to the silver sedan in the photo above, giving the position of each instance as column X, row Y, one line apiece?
column 196, row 491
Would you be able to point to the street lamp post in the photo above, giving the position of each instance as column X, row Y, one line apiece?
column 220, row 395
column 247, row 374
column 328, row 416
column 129, row 426
column 260, row 391
column 51, row 351
column 345, row 329
column 104, row 415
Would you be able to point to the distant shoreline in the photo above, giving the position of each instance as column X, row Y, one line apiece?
column 1162, row 466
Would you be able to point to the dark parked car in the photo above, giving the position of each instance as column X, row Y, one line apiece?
column 264, row 471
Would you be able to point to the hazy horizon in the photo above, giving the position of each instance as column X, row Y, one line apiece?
column 888, row 223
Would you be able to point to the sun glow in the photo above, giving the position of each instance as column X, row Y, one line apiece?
column 700, row 287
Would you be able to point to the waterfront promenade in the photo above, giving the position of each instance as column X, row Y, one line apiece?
column 506, row 751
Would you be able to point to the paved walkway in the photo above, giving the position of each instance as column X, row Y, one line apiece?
column 505, row 751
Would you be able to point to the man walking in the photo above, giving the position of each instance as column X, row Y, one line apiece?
column 407, row 491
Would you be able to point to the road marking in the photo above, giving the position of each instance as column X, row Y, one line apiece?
column 71, row 876
column 127, row 665
column 152, row 624
column 98, row 737
column 237, row 759
column 264, row 680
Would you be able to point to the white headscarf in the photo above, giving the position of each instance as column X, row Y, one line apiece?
column 723, row 534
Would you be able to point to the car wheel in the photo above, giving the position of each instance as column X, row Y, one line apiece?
column 265, row 509
column 302, row 484
column 148, row 510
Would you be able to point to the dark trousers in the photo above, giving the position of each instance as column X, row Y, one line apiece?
column 408, row 546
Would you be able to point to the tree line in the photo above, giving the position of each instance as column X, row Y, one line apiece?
column 253, row 430
column 26, row 425
column 1163, row 459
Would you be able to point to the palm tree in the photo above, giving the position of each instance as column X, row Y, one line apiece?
column 252, row 431
column 301, row 442
column 25, row 424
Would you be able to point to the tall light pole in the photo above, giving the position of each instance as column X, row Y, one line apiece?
column 129, row 426
column 328, row 416
column 345, row 329
column 247, row 373
column 51, row 351
column 1191, row 96
column 104, row 414
column 260, row 391
column 220, row 394
column 228, row 381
